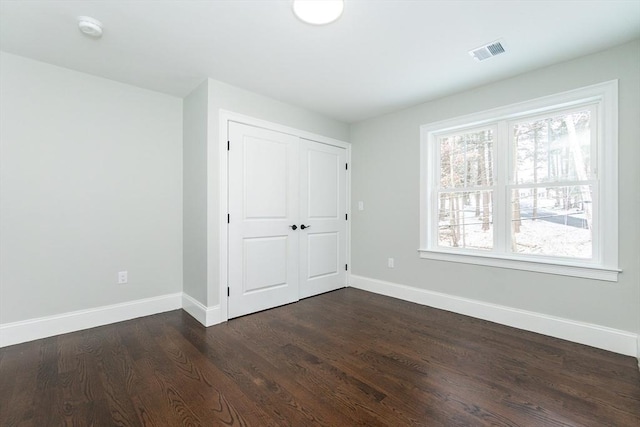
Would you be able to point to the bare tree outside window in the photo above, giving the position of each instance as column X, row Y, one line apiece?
column 552, row 197
column 466, row 179
column 550, row 193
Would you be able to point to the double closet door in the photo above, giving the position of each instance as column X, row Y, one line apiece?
column 287, row 218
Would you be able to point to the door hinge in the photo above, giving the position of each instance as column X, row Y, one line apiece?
column 346, row 217
column 228, row 291
column 346, row 166
column 346, row 267
column 228, row 145
column 228, row 219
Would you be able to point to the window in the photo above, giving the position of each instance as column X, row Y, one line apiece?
column 531, row 186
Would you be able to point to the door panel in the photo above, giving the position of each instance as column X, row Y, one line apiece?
column 263, row 203
column 323, row 250
column 322, row 176
column 323, row 208
column 265, row 178
column 265, row 263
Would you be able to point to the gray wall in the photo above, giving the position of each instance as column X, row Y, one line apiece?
column 223, row 96
column 385, row 176
column 194, row 228
column 91, row 184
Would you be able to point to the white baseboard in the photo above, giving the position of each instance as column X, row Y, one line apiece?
column 208, row 316
column 615, row 340
column 43, row 327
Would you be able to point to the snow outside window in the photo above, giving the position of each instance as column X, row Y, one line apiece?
column 530, row 186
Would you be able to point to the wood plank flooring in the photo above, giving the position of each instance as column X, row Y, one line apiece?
column 346, row 358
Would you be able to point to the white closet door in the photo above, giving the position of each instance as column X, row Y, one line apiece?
column 263, row 205
column 323, row 233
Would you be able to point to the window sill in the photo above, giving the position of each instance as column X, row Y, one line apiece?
column 573, row 270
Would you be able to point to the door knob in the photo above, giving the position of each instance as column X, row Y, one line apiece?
column 302, row 226
column 293, row 227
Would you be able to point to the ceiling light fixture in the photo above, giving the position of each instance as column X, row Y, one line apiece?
column 89, row 26
column 318, row 12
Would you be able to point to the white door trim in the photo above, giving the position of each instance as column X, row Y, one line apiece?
column 226, row 116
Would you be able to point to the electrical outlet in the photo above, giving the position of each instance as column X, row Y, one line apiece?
column 123, row 277
column 390, row 262
column 360, row 206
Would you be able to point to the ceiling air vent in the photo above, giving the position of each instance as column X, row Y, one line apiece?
column 487, row 51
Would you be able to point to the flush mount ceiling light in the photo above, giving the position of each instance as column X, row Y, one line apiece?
column 318, row 12
column 89, row 26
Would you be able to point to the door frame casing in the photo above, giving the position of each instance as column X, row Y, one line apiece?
column 225, row 116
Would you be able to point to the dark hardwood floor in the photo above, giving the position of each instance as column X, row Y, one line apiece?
column 344, row 358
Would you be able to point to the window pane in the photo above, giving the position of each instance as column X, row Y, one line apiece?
column 466, row 159
column 557, row 148
column 552, row 221
column 465, row 219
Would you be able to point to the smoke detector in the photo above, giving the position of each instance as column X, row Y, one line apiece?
column 487, row 51
column 89, row 26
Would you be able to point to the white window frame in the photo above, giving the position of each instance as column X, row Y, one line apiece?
column 604, row 264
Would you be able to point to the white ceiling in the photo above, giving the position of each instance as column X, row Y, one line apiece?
column 380, row 56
